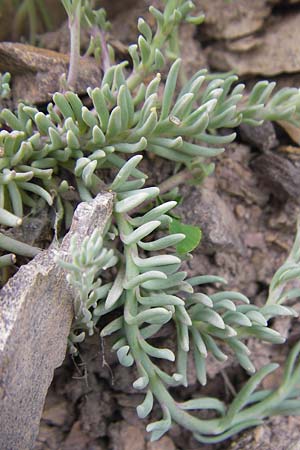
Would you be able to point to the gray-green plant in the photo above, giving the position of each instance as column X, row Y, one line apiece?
column 134, row 268
column 4, row 85
column 150, row 290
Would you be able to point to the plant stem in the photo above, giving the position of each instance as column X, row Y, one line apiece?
column 136, row 78
column 133, row 336
column 20, row 248
column 31, row 11
column 45, row 13
column 211, row 430
column 19, row 20
column 105, row 61
column 74, row 26
column 179, row 178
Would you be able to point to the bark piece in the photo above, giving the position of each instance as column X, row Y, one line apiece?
column 35, row 320
column 36, row 72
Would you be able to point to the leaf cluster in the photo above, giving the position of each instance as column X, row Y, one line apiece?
column 41, row 148
column 149, row 291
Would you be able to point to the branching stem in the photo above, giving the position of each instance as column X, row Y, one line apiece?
column 137, row 77
column 177, row 179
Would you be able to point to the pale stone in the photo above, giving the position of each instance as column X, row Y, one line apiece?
column 36, row 72
column 234, row 19
column 35, row 318
column 276, row 52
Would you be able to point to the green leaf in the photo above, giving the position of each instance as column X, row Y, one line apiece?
column 192, row 236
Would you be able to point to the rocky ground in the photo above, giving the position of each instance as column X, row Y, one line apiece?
column 247, row 211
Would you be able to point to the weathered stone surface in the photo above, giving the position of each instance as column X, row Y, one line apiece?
column 219, row 227
column 280, row 433
column 36, row 71
column 234, row 176
column 276, row 53
column 127, row 437
column 231, row 20
column 35, row 319
column 192, row 55
column 165, row 443
column 279, row 174
column 262, row 137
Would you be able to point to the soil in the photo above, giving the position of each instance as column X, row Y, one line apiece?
column 247, row 214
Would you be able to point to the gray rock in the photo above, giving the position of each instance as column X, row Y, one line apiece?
column 280, row 433
column 263, row 137
column 279, row 174
column 207, row 210
column 36, row 71
column 277, row 52
column 231, row 20
column 35, row 319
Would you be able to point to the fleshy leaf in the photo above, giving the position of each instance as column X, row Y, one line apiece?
column 192, row 236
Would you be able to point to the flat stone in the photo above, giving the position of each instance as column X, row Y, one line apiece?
column 36, row 71
column 231, row 20
column 276, row 52
column 35, row 320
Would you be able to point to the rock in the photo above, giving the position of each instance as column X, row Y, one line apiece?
column 192, row 55
column 254, row 240
column 231, row 20
column 76, row 440
column 56, row 415
column 263, row 137
column 35, row 320
column 34, row 231
column 234, row 176
column 95, row 407
column 244, row 44
column 207, row 210
column 165, row 443
column 277, row 53
column 280, row 175
column 36, row 72
column 49, row 438
column 280, row 433
column 126, row 437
